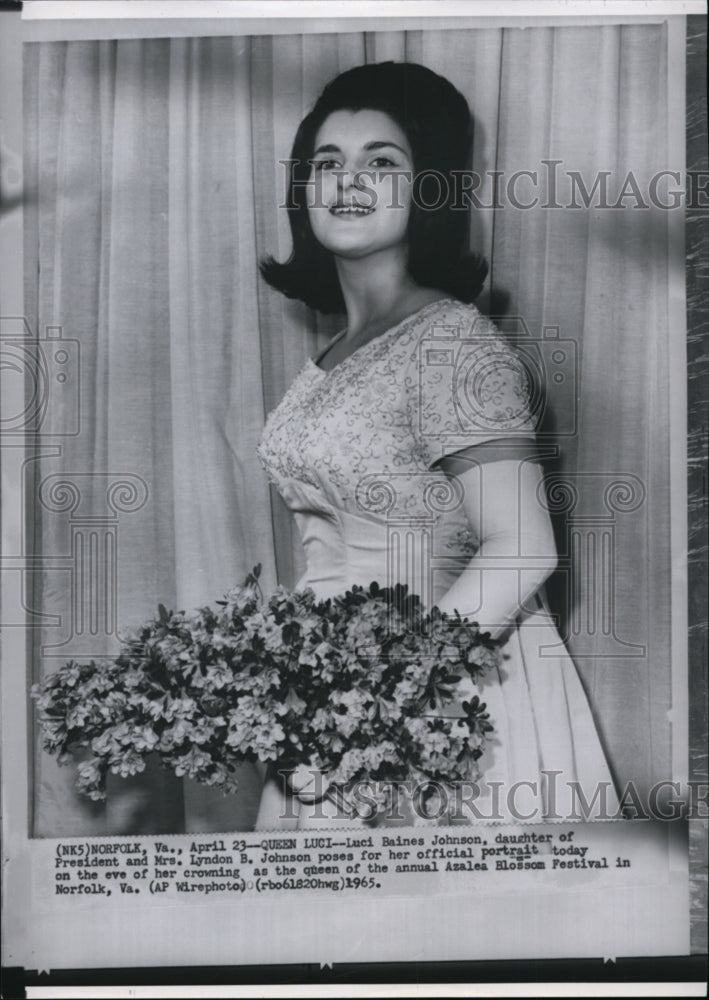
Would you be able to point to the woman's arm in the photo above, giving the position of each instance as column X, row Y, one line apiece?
column 505, row 507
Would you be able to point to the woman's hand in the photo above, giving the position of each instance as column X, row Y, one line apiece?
column 308, row 783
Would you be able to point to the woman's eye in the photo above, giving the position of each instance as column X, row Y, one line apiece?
column 325, row 164
column 382, row 161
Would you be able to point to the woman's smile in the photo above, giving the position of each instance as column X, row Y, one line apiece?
column 352, row 211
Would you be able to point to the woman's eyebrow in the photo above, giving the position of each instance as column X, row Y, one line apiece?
column 369, row 146
column 382, row 145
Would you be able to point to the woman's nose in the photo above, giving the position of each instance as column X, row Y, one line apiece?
column 350, row 179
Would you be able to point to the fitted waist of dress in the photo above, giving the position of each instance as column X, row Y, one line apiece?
column 343, row 549
column 340, row 552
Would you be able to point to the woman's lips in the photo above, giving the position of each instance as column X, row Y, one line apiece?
column 350, row 211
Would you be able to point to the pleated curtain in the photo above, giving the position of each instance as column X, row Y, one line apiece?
column 153, row 182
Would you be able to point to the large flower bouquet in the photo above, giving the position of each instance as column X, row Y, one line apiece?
column 362, row 686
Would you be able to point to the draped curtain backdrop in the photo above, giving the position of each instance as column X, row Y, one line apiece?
column 153, row 184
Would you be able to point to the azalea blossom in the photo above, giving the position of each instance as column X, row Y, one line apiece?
column 127, row 763
column 346, row 683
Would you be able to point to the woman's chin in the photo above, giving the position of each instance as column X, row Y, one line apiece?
column 355, row 239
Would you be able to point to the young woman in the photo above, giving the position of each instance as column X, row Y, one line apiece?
column 406, row 450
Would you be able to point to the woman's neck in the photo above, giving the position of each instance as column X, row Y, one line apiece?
column 375, row 289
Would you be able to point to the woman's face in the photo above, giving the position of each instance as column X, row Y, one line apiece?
column 360, row 196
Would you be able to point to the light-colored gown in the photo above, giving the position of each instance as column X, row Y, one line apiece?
column 352, row 452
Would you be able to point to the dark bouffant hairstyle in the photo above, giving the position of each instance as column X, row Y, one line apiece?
column 436, row 120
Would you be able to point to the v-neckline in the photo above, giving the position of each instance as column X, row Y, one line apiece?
column 314, row 362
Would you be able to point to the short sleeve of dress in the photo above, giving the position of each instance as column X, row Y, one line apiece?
column 465, row 386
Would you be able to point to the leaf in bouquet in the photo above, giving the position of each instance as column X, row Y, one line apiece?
column 477, row 715
column 384, row 710
column 291, row 632
column 438, row 691
column 164, row 616
column 252, row 578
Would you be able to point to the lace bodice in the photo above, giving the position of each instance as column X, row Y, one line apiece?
column 357, row 446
